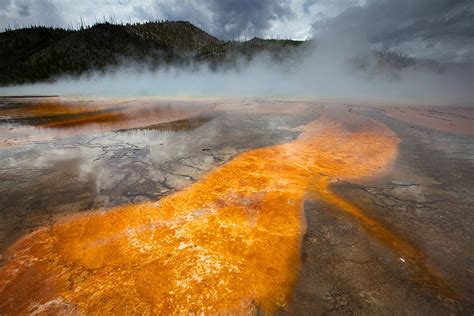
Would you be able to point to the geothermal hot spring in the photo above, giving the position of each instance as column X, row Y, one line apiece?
column 233, row 205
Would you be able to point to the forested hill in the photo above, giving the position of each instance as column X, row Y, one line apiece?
column 36, row 54
column 41, row 53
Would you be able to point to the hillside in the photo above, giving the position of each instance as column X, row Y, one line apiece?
column 41, row 53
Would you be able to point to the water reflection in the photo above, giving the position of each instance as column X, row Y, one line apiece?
column 36, row 119
column 48, row 171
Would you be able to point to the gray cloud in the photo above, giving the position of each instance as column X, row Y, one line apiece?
column 15, row 13
column 4, row 4
column 438, row 29
column 331, row 6
column 247, row 17
column 194, row 11
column 227, row 19
column 224, row 18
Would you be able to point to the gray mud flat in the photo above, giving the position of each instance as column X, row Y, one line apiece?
column 428, row 199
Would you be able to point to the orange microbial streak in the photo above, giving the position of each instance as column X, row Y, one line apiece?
column 226, row 244
column 47, row 109
column 62, row 118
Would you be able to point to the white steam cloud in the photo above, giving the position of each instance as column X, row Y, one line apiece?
column 328, row 70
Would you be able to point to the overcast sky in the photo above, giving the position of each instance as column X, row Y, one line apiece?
column 435, row 29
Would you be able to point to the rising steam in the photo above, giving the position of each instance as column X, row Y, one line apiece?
column 335, row 67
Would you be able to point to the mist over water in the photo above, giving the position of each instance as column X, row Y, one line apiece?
column 338, row 68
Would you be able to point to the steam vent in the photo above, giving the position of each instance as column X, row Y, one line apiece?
column 265, row 158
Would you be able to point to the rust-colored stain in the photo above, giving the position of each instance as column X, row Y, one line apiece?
column 47, row 108
column 228, row 243
column 58, row 118
column 112, row 119
column 104, row 116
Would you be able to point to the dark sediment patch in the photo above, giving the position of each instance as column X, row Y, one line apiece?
column 188, row 124
column 9, row 105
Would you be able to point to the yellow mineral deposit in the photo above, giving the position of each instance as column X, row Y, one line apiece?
column 228, row 243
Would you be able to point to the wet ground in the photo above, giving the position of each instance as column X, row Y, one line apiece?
column 387, row 203
column 49, row 172
column 427, row 198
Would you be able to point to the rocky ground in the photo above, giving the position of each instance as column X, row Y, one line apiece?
column 426, row 198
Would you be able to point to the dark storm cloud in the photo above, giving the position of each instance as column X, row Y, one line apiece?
column 436, row 29
column 332, row 5
column 439, row 29
column 247, row 17
column 225, row 18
